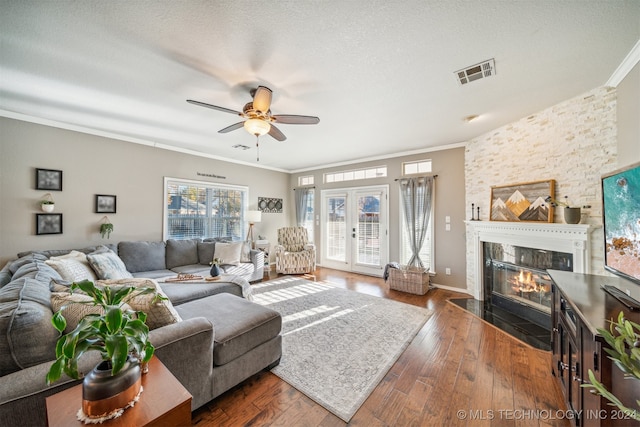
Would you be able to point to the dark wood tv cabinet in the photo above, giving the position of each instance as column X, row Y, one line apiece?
column 579, row 308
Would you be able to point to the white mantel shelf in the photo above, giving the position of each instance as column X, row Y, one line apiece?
column 568, row 238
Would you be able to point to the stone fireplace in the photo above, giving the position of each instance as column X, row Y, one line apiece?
column 545, row 239
column 506, row 273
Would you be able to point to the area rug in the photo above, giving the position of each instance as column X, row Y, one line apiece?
column 337, row 344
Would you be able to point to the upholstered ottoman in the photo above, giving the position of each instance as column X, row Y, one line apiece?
column 246, row 336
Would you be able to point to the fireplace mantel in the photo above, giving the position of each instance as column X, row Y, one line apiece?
column 569, row 238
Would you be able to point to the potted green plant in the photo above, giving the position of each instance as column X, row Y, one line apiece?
column 572, row 215
column 106, row 228
column 47, row 204
column 623, row 337
column 119, row 334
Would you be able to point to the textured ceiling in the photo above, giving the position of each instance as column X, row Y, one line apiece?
column 379, row 74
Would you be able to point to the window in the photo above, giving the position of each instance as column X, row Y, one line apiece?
column 375, row 172
column 196, row 209
column 419, row 166
column 305, row 180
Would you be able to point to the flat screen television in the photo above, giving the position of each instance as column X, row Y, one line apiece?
column 621, row 219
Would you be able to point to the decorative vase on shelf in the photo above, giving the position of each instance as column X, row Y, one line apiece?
column 572, row 215
column 215, row 270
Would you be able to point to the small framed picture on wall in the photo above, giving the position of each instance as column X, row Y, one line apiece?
column 105, row 203
column 48, row 223
column 48, row 179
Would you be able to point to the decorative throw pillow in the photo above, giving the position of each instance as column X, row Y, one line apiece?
column 205, row 252
column 159, row 312
column 73, row 267
column 229, row 253
column 78, row 305
column 108, row 265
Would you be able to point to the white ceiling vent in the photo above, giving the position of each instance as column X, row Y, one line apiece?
column 476, row 72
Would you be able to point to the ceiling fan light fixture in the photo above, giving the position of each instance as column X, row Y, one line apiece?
column 257, row 127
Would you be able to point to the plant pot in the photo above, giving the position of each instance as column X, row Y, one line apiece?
column 215, row 270
column 105, row 395
column 47, row 208
column 572, row 215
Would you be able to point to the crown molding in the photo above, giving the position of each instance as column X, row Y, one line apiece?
column 625, row 67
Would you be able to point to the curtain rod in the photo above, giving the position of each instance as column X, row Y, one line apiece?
column 432, row 176
column 300, row 188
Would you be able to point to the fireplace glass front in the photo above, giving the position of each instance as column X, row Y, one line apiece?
column 516, row 280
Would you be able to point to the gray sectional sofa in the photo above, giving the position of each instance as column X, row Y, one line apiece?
column 219, row 340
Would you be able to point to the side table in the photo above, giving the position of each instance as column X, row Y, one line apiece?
column 264, row 246
column 163, row 402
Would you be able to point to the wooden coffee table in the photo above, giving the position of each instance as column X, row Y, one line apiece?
column 163, row 402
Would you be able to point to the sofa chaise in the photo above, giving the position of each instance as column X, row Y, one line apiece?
column 214, row 338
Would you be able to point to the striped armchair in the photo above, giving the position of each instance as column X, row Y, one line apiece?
column 294, row 253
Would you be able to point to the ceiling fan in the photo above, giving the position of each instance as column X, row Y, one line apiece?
column 259, row 120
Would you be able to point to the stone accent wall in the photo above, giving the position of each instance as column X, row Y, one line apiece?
column 573, row 142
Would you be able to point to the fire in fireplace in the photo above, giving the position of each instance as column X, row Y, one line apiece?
column 516, row 280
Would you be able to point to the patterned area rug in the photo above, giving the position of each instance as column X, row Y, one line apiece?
column 337, row 344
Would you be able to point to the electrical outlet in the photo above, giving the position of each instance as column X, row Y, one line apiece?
column 447, row 271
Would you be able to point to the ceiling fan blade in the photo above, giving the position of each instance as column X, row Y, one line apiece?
column 296, row 120
column 215, row 107
column 232, row 127
column 275, row 133
column 262, row 99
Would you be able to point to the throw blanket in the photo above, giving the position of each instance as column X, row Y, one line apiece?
column 247, row 292
column 385, row 275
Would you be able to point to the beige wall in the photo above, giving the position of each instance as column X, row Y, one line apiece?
column 628, row 113
column 96, row 165
column 450, row 245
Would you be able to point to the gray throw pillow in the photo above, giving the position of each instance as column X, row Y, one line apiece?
column 182, row 252
column 108, row 265
column 28, row 337
column 205, row 252
column 143, row 256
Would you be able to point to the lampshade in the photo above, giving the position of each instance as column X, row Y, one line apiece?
column 257, row 127
column 253, row 216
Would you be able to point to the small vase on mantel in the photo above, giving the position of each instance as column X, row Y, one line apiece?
column 572, row 215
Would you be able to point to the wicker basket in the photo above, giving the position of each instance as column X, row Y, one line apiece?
column 409, row 279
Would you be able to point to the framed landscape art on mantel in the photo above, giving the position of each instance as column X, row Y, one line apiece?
column 523, row 202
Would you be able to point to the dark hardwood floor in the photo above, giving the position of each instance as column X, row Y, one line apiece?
column 458, row 370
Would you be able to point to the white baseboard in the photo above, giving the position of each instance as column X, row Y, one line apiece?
column 452, row 289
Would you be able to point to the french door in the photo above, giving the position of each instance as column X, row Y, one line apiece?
column 355, row 224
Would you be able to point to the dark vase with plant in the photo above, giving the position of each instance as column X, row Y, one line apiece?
column 624, row 338
column 122, row 338
column 215, row 267
column 572, row 215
